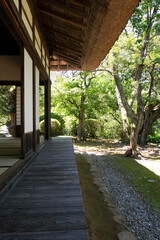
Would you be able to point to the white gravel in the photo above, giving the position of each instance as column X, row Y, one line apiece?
column 143, row 221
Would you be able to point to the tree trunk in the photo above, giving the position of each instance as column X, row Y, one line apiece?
column 152, row 114
column 124, row 117
column 143, row 134
column 80, row 128
column 132, row 151
column 134, row 137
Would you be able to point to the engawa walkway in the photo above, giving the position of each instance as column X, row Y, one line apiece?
column 46, row 202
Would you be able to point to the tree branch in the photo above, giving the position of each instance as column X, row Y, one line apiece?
column 129, row 111
column 103, row 70
column 61, row 96
column 73, row 102
column 152, row 80
column 115, row 118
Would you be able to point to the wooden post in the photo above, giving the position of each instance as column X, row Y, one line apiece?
column 22, row 104
column 47, row 108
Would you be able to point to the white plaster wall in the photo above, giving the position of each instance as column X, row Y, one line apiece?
column 27, row 10
column 28, row 93
column 16, row 3
column 37, row 98
column 18, row 106
column 9, row 68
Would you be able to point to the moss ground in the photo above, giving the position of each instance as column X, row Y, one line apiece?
column 145, row 181
column 99, row 219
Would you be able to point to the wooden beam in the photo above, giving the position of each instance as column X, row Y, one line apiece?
column 63, row 34
column 66, row 44
column 66, row 49
column 70, row 63
column 59, row 7
column 80, row 3
column 64, row 19
column 67, row 60
column 66, row 57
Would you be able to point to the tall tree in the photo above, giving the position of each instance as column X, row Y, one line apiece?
column 73, row 91
column 134, row 63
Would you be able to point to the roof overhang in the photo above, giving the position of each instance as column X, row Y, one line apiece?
column 81, row 32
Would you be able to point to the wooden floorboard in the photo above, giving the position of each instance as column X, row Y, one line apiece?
column 46, row 202
column 54, row 235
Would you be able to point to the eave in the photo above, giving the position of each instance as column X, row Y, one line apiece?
column 81, row 33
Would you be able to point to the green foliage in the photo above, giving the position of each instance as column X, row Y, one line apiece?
column 55, row 127
column 93, row 128
column 154, row 136
column 7, row 103
column 55, row 116
column 70, row 126
column 41, row 100
column 142, row 16
column 112, row 129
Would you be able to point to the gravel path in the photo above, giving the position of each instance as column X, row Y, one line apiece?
column 141, row 219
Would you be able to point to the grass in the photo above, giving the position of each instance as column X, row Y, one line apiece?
column 99, row 219
column 140, row 178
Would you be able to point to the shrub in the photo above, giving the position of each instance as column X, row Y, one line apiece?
column 153, row 139
column 57, row 117
column 55, row 127
column 93, row 128
column 70, row 126
column 154, row 135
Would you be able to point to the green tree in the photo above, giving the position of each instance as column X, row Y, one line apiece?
column 76, row 94
column 7, row 103
column 134, row 64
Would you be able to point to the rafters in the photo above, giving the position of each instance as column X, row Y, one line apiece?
column 77, row 13
column 66, row 45
column 64, row 19
column 66, row 49
column 66, row 57
column 81, row 3
column 64, row 35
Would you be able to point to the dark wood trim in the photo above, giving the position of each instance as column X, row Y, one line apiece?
column 38, row 137
column 47, row 108
column 20, row 7
column 22, row 104
column 28, row 142
column 7, row 17
column 34, row 108
column 10, row 83
column 18, row 130
column 13, row 20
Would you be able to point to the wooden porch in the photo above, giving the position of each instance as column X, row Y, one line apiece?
column 46, row 201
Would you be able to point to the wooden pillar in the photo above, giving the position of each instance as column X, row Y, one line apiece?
column 22, row 104
column 34, row 109
column 47, row 108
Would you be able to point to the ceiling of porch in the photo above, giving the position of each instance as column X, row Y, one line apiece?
column 80, row 33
